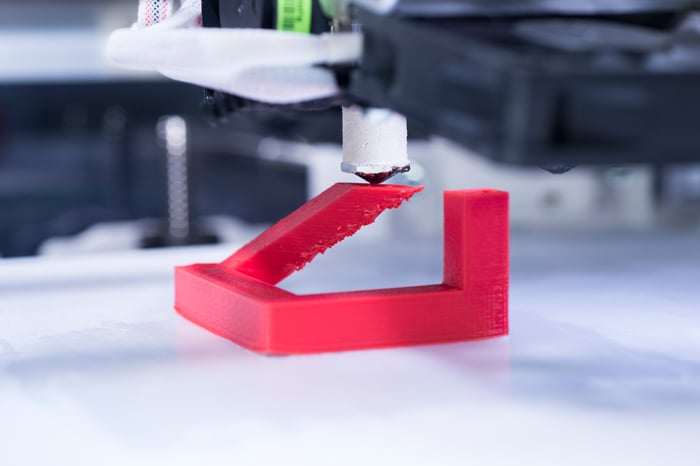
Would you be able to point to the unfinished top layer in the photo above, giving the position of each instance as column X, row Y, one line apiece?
column 287, row 246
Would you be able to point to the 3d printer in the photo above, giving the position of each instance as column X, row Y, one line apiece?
column 533, row 82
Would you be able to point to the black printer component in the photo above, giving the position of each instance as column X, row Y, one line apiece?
column 544, row 91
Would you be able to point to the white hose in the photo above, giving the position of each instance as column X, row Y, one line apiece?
column 152, row 12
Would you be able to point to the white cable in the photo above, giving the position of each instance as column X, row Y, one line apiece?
column 151, row 12
column 189, row 15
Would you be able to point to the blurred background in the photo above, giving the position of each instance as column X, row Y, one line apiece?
column 96, row 158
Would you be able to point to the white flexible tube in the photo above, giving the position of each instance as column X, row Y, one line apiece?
column 151, row 12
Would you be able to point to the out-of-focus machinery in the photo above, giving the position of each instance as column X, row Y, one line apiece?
column 550, row 84
column 522, row 82
column 532, row 82
column 82, row 142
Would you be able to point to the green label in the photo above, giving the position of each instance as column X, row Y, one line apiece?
column 294, row 15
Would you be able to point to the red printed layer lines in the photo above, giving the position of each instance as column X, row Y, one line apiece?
column 238, row 300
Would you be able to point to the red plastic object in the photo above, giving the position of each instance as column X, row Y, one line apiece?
column 238, row 300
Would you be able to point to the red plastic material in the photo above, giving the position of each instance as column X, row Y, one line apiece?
column 319, row 224
column 238, row 300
